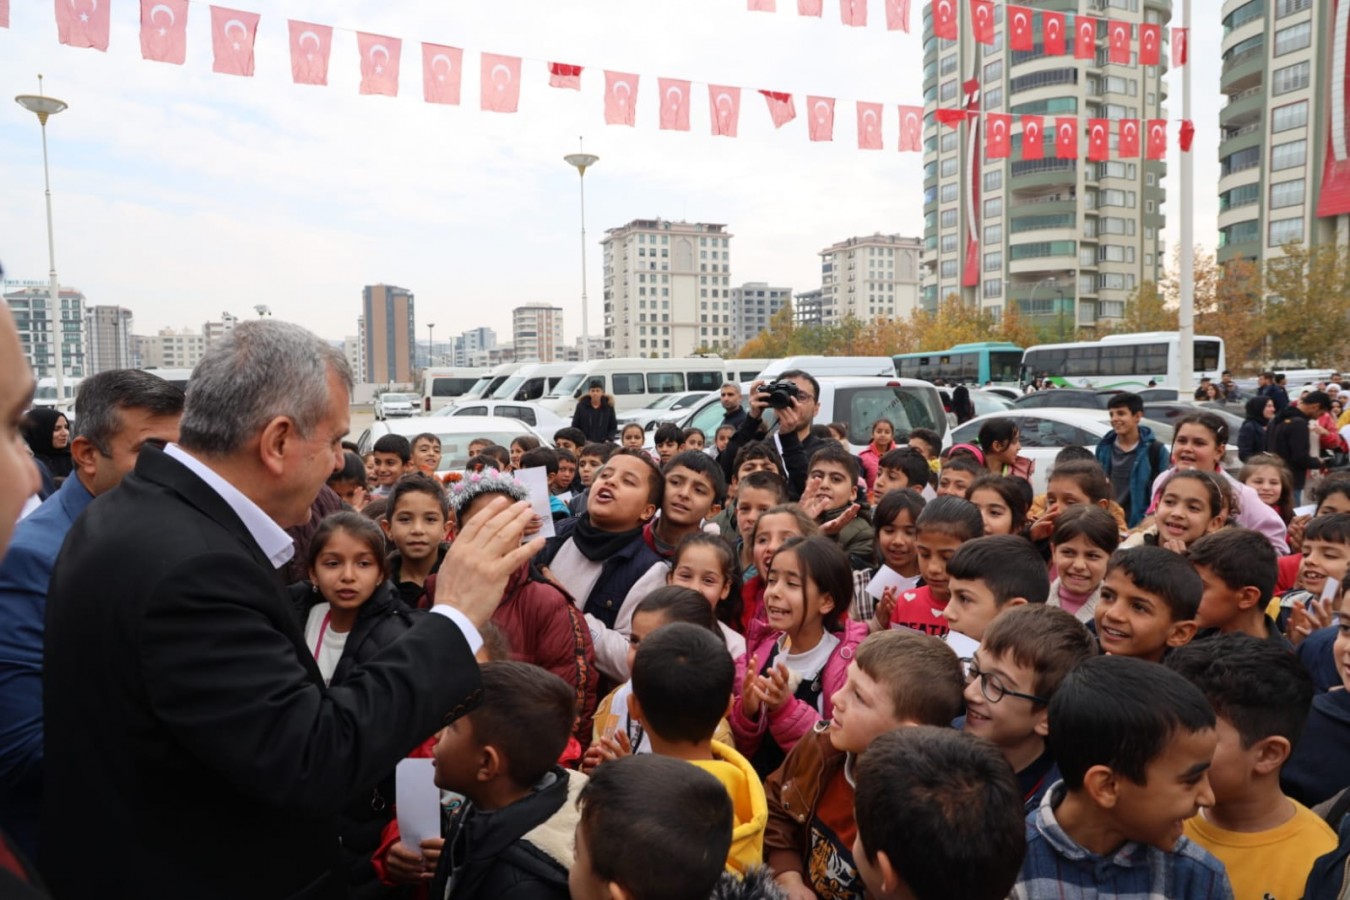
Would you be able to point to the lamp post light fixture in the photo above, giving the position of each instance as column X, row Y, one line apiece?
column 581, row 162
column 431, row 359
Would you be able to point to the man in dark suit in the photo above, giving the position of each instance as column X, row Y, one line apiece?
column 191, row 746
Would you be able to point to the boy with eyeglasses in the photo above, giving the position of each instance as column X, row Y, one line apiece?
column 1026, row 652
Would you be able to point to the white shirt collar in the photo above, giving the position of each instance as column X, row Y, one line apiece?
column 271, row 538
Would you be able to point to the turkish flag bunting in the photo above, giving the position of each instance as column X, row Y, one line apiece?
column 620, row 98
column 1187, row 135
column 1157, row 139
column 499, row 83
column 1150, row 44
column 952, row 118
column 1118, row 33
column 869, row 126
column 1066, row 137
column 4, row 14
column 821, row 123
column 1099, row 140
column 944, row 19
column 897, row 15
column 1129, row 139
column 1052, row 32
column 781, row 108
column 1181, row 47
column 380, row 57
column 1085, row 38
column 164, row 30
column 911, row 129
column 810, row 7
column 853, row 12
column 761, row 5
column 1033, row 137
column 310, row 45
column 674, row 104
column 998, row 136
column 442, row 70
column 562, row 75
column 725, row 107
column 1020, row 37
column 82, row 23
column 982, row 20
column 232, row 34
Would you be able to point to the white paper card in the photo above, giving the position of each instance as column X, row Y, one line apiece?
column 1305, row 510
column 964, row 646
column 1331, row 589
column 887, row 578
column 535, row 482
column 419, row 801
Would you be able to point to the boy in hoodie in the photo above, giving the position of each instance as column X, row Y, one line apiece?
column 595, row 415
column 898, row 678
column 1131, row 456
column 1288, row 437
column 831, row 486
column 682, row 683
column 415, row 521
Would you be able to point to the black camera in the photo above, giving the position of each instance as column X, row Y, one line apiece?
column 781, row 393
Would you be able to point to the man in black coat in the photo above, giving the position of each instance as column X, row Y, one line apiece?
column 1288, row 437
column 734, row 412
column 191, row 746
column 595, row 414
column 795, row 441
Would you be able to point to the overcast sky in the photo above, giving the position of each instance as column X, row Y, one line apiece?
column 179, row 193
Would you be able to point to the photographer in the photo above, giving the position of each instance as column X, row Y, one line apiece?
column 794, row 397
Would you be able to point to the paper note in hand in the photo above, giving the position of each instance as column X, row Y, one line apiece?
column 887, row 577
column 536, row 482
column 1306, row 509
column 419, row 801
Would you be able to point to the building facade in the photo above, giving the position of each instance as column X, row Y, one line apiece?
column 537, row 332
column 108, row 332
column 667, row 288
column 753, row 304
column 30, row 304
column 214, row 331
column 806, row 309
column 170, row 349
column 1067, row 240
column 390, row 329
column 874, row 277
column 472, row 344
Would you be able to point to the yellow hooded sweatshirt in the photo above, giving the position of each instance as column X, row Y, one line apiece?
column 750, row 808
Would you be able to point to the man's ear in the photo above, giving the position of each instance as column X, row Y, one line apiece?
column 85, row 455
column 272, row 443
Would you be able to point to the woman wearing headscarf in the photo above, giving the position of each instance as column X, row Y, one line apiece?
column 47, row 432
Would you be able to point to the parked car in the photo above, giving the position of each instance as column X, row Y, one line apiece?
column 670, row 408
column 984, row 401
column 389, row 405
column 455, row 432
column 1064, row 398
column 534, row 416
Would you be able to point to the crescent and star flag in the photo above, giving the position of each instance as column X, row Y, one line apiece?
column 724, row 106
column 1033, row 137
column 1129, row 139
column 821, row 118
column 897, row 15
column 952, row 118
column 911, row 129
column 1118, row 33
column 761, row 5
column 562, row 75
column 1066, row 137
column 810, row 7
column 164, row 30
column 781, row 108
column 1181, row 47
column 379, row 63
column 620, row 98
column 500, row 83
column 442, row 71
column 1052, row 29
column 674, row 104
column 232, row 34
column 310, row 45
column 1156, row 147
column 869, row 126
column 944, row 19
column 853, row 12
column 1099, row 140
column 1021, row 36
column 1085, row 38
column 1187, row 135
column 82, row 23
column 998, row 135
column 982, row 21
column 1334, row 197
column 1150, row 44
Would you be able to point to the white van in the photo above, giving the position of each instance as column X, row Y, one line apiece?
column 744, row 371
column 635, row 382
column 489, row 381
column 826, row 366
column 531, row 381
column 443, row 386
column 45, row 394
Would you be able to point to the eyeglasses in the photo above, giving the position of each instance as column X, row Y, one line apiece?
column 993, row 689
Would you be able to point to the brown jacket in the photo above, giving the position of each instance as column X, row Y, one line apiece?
column 793, row 792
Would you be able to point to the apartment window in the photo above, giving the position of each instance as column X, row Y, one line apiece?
column 994, row 70
column 993, row 98
column 949, row 243
column 993, row 288
column 993, row 234
column 1241, row 160
column 993, row 207
column 948, row 90
column 949, row 268
column 993, row 180
column 993, row 262
column 949, row 166
column 1114, row 281
column 949, row 64
column 1282, row 231
column 949, row 218
column 950, row 191
column 1291, row 115
column 1288, row 7
column 1290, row 78
column 1240, row 233
column 948, row 142
column 1115, row 253
column 1288, row 156
column 1286, row 193
column 1295, row 37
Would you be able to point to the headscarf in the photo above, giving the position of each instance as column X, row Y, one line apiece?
column 37, row 427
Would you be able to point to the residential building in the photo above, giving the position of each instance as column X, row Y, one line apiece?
column 214, row 331
column 170, row 349
column 873, row 277
column 495, row 355
column 474, row 342
column 351, row 348
column 537, row 332
column 390, row 328
column 29, row 302
column 573, row 353
column 1067, row 240
column 753, row 304
column 806, row 308
column 108, row 332
column 667, row 288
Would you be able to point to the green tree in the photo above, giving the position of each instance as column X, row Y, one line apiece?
column 1146, row 310
column 1229, row 303
column 773, row 342
column 1309, row 298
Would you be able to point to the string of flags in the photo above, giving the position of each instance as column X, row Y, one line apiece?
column 163, row 38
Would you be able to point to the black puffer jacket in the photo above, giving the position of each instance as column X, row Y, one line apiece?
column 598, row 423
column 1287, row 438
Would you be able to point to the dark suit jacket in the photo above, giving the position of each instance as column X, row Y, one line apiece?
column 191, row 747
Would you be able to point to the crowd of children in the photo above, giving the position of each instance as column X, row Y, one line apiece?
column 920, row 679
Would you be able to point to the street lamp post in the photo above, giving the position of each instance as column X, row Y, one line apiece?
column 431, row 360
column 45, row 107
column 1031, row 300
column 1061, row 313
column 581, row 162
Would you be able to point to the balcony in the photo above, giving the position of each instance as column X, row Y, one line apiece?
column 1246, row 137
column 1243, row 108
column 1243, row 71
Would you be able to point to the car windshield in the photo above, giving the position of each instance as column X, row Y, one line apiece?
column 906, row 408
column 568, row 384
column 663, row 402
column 508, row 388
column 398, row 398
column 455, row 447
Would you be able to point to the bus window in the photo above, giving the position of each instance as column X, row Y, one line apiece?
column 705, row 381
column 451, row 387
column 627, row 383
column 1004, row 365
column 664, row 383
column 1206, row 356
column 1082, row 361
column 1150, row 359
column 1118, row 360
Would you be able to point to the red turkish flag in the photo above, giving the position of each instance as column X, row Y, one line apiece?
column 82, row 23
column 952, row 118
column 1085, row 38
column 761, row 5
column 853, row 12
column 4, row 14
column 1150, row 44
column 500, row 83
column 442, row 69
column 911, row 129
column 1187, row 135
column 897, row 15
column 310, row 45
column 982, row 20
column 620, row 98
column 810, row 7
column 944, row 19
column 724, row 105
column 781, row 108
column 869, row 126
column 1118, row 36
column 164, row 30
column 1020, row 35
column 1052, row 29
column 998, row 136
column 1033, row 137
column 1181, row 47
column 563, row 75
column 233, row 32
column 1157, row 139
column 1129, row 139
column 380, row 57
column 1099, row 140
column 674, row 104
column 821, row 121
column 1066, row 137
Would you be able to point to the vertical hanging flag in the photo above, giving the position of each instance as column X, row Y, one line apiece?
column 982, row 21
column 781, row 108
column 944, row 19
column 1334, row 197
column 1181, row 46
column 853, row 12
column 233, row 32
column 998, row 135
column 4, row 13
column 562, row 75
column 810, row 8
column 310, row 44
column 1129, row 139
column 869, row 126
column 82, row 23
column 1085, row 38
column 442, row 71
column 620, row 98
column 1033, row 137
column 1020, row 36
column 1099, row 140
column 380, row 57
column 164, row 30
column 1118, row 33
column 1157, row 139
column 1150, row 44
column 499, row 83
column 821, row 121
column 724, row 105
column 1052, row 32
column 1187, row 135
column 911, row 129
column 674, row 104
column 761, row 5
column 1066, row 137
column 897, row 15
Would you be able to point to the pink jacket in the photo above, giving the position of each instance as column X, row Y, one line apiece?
column 794, row 719
column 870, row 460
